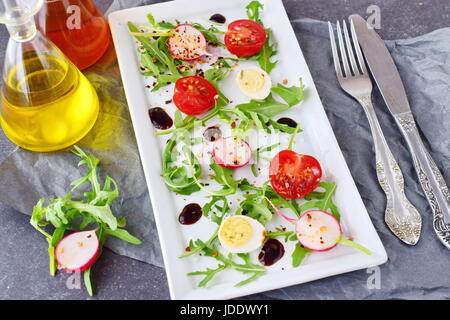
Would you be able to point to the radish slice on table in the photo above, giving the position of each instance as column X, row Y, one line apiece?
column 187, row 43
column 319, row 231
column 231, row 152
column 78, row 251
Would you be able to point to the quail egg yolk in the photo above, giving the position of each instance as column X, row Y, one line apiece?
column 236, row 231
column 250, row 80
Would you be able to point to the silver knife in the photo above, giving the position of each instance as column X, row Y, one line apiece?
column 391, row 86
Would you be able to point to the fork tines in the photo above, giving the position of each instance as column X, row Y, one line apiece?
column 350, row 62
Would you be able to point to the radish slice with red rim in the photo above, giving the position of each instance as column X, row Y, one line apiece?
column 187, row 43
column 78, row 251
column 231, row 152
column 319, row 231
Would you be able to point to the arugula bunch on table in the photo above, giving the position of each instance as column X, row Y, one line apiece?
column 93, row 210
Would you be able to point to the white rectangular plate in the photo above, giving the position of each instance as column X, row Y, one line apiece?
column 317, row 139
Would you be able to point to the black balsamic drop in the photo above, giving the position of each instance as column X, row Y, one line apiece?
column 190, row 214
column 160, row 118
column 288, row 121
column 271, row 252
column 217, row 17
column 212, row 133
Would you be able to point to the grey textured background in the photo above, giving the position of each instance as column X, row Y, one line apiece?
column 23, row 263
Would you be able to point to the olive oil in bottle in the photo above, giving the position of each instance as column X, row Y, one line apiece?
column 46, row 103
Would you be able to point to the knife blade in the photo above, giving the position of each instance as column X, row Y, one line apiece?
column 382, row 66
column 388, row 79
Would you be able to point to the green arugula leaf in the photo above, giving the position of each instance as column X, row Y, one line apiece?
column 208, row 273
column 268, row 107
column 299, row 254
column 269, row 148
column 215, row 75
column 214, row 199
column 123, row 235
column 291, row 140
column 153, row 50
column 267, row 52
column 167, row 25
column 266, row 191
column 222, row 175
column 190, row 122
column 254, row 9
column 199, row 245
column 291, row 95
column 357, row 246
column 151, row 19
column 101, row 213
column 177, row 178
column 280, row 233
column 254, row 171
column 257, row 210
column 260, row 112
column 256, row 270
column 210, row 33
column 247, row 267
column 87, row 281
column 322, row 200
column 250, row 279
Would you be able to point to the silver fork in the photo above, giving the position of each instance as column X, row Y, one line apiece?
column 401, row 216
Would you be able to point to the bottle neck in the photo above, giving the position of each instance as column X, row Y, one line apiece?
column 23, row 32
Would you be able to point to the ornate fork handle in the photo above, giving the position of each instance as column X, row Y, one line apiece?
column 401, row 216
column 433, row 184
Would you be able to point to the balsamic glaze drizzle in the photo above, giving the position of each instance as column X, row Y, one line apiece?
column 160, row 118
column 190, row 214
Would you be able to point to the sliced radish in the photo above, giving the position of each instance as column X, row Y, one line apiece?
column 187, row 43
column 231, row 152
column 318, row 230
column 78, row 251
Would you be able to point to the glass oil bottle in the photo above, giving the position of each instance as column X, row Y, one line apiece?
column 47, row 104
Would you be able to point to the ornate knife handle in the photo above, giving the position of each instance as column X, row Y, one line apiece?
column 401, row 216
column 433, row 184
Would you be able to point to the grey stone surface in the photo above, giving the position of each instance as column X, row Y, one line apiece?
column 23, row 263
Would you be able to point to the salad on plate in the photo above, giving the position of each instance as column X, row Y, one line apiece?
column 240, row 157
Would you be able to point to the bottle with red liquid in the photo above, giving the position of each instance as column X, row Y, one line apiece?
column 77, row 27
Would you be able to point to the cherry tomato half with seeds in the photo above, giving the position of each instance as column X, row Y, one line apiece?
column 194, row 95
column 294, row 175
column 245, row 38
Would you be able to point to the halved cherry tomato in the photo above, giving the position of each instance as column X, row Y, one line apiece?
column 245, row 38
column 294, row 175
column 194, row 95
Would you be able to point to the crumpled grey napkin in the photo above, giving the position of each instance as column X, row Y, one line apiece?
column 411, row 272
